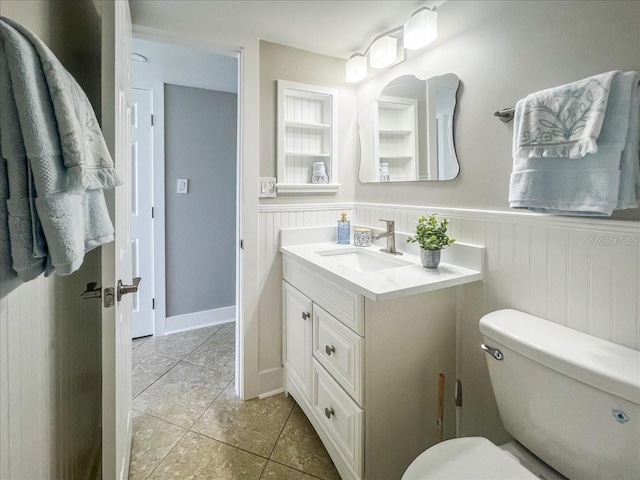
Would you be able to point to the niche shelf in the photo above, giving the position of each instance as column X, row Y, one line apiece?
column 306, row 127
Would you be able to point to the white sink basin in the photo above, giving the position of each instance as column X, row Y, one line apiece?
column 362, row 260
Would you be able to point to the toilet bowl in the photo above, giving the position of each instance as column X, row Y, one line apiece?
column 478, row 459
column 571, row 401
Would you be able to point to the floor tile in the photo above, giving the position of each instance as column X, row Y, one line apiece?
column 215, row 353
column 275, row 471
column 300, row 447
column 253, row 425
column 200, row 457
column 179, row 345
column 227, row 333
column 147, row 367
column 152, row 440
column 136, row 342
column 183, row 394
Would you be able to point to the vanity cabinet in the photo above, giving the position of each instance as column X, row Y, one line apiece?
column 307, row 117
column 373, row 369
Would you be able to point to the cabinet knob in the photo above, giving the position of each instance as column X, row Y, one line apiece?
column 329, row 349
column 329, row 411
column 306, row 315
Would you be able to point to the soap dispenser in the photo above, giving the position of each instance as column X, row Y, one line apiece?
column 344, row 230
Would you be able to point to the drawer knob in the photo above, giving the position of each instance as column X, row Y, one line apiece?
column 329, row 349
column 329, row 411
column 306, row 315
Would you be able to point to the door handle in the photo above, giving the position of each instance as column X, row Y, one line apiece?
column 124, row 289
column 92, row 291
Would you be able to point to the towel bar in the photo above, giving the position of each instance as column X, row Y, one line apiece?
column 505, row 115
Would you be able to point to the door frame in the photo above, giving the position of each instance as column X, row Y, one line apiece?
column 159, row 229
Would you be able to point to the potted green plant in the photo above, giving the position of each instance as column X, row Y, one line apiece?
column 432, row 237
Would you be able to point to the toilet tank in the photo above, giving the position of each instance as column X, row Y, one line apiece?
column 570, row 398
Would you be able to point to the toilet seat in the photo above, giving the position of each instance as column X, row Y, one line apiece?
column 465, row 459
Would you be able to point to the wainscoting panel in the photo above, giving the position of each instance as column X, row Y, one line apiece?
column 581, row 273
column 50, row 377
column 584, row 274
column 272, row 218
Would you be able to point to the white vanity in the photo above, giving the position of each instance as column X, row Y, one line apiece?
column 366, row 335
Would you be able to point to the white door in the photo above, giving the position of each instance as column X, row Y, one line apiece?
column 142, row 318
column 116, row 256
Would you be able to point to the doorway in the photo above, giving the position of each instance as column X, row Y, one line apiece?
column 185, row 207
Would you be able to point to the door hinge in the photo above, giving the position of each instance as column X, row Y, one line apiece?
column 152, row 119
column 153, row 212
column 153, row 304
column 241, row 244
column 458, row 393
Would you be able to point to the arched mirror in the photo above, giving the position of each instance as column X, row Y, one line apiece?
column 407, row 133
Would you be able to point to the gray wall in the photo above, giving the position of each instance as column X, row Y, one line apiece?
column 502, row 51
column 200, row 145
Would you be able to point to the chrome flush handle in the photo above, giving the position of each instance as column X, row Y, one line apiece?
column 494, row 352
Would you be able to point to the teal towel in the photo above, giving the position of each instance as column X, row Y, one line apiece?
column 596, row 184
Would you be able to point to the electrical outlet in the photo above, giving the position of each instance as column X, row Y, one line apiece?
column 267, row 187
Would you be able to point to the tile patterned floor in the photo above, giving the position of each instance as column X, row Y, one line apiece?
column 188, row 422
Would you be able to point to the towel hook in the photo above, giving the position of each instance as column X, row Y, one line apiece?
column 505, row 115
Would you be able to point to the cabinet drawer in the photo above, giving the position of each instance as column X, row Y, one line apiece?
column 340, row 416
column 340, row 351
column 346, row 306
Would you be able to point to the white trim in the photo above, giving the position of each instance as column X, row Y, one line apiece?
column 306, row 188
column 307, row 207
column 270, row 381
column 277, row 391
column 205, row 318
column 578, row 223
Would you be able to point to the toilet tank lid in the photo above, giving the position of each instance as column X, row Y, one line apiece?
column 591, row 360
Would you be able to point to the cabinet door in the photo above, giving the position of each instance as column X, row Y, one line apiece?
column 298, row 327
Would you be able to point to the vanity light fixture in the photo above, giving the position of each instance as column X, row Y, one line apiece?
column 388, row 48
column 356, row 68
column 383, row 51
column 421, row 29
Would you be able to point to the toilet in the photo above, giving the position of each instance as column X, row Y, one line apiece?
column 570, row 400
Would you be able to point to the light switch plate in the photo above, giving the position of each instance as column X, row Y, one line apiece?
column 183, row 185
column 267, row 187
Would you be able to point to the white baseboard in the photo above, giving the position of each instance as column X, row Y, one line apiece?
column 277, row 391
column 206, row 318
column 270, row 382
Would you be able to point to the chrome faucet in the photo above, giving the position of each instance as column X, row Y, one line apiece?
column 391, row 238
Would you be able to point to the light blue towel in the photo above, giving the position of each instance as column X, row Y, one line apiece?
column 68, row 162
column 596, row 184
column 28, row 245
column 564, row 121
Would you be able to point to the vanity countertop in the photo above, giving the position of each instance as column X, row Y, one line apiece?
column 386, row 283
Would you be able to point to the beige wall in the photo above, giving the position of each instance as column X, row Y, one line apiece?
column 50, row 363
column 279, row 62
column 502, row 51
